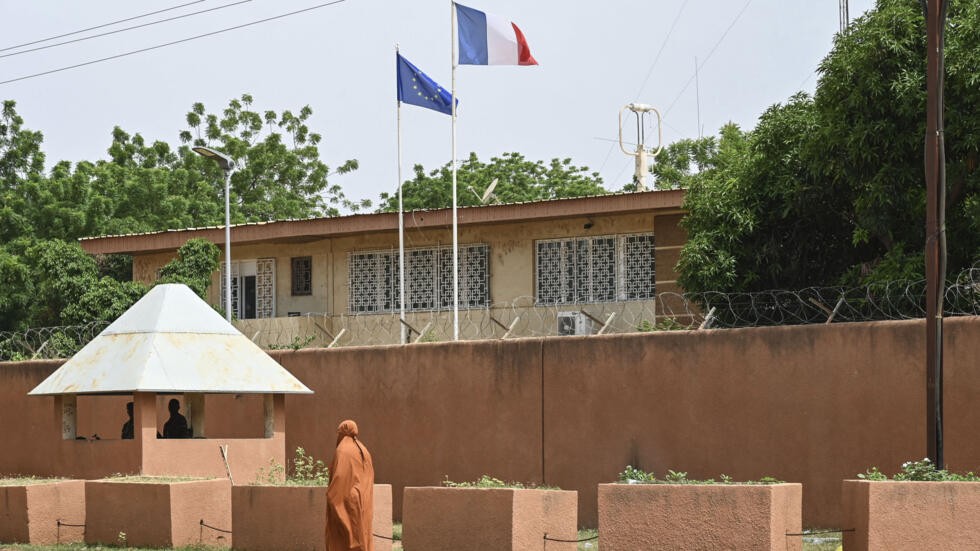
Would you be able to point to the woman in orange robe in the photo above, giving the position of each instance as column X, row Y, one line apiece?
column 350, row 494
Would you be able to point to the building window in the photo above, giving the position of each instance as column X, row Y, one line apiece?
column 302, row 276
column 595, row 269
column 373, row 279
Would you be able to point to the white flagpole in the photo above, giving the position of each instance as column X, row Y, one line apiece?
column 452, row 6
column 401, row 221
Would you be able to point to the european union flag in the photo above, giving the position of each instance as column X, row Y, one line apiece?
column 417, row 88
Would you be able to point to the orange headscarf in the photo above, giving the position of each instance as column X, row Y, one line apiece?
column 350, row 494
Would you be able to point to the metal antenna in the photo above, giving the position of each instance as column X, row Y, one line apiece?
column 640, row 110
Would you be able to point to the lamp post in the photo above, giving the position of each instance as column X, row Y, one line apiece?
column 228, row 166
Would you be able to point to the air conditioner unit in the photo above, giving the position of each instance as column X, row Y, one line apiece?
column 574, row 323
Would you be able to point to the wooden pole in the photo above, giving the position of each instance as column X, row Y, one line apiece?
column 935, row 229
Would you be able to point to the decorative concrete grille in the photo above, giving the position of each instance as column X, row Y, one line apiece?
column 474, row 277
column 374, row 279
column 265, row 288
column 421, row 272
column 594, row 269
column 366, row 278
column 638, row 267
column 234, row 287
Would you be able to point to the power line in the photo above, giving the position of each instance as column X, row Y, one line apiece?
column 158, row 46
column 661, row 50
column 707, row 57
column 140, row 26
column 98, row 26
column 656, row 59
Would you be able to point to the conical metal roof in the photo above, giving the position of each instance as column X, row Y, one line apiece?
column 170, row 341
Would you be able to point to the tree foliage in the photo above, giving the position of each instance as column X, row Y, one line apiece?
column 47, row 279
column 518, row 179
column 830, row 189
column 196, row 261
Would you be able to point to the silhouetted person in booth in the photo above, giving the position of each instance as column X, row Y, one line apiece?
column 176, row 426
column 350, row 494
column 127, row 429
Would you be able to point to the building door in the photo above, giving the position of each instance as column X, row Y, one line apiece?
column 252, row 288
column 248, row 305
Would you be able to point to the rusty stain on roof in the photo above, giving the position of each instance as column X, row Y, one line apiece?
column 170, row 341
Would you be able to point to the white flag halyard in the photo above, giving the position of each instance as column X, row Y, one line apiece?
column 478, row 38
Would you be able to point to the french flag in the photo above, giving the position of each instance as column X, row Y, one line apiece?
column 485, row 39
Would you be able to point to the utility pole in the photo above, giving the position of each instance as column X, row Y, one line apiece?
column 845, row 15
column 935, row 169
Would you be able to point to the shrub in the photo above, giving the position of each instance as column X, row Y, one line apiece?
column 632, row 475
column 487, row 481
column 920, row 471
column 307, row 471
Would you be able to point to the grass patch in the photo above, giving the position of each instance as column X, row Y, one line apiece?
column 487, row 481
column 27, row 480
column 83, row 547
column 590, row 544
column 822, row 540
column 142, row 479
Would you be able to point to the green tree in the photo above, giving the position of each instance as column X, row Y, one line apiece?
column 279, row 173
column 16, row 291
column 679, row 162
column 196, row 261
column 62, row 273
column 830, row 189
column 518, row 179
column 21, row 165
column 104, row 300
column 143, row 186
column 872, row 101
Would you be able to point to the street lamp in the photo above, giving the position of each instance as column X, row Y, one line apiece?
column 228, row 166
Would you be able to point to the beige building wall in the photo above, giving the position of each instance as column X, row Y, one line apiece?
column 511, row 257
column 511, row 279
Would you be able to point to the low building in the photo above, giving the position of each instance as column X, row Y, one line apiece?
column 566, row 266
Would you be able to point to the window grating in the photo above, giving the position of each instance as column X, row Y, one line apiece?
column 373, row 279
column 302, row 275
column 595, row 269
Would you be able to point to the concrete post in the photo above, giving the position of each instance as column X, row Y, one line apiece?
column 69, row 416
column 194, row 404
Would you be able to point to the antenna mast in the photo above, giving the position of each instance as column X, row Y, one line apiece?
column 640, row 111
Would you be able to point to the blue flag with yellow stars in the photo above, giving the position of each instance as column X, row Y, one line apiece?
column 416, row 88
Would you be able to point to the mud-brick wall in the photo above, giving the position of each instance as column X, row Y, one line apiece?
column 810, row 404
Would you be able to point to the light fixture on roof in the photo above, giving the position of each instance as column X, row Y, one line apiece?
column 228, row 166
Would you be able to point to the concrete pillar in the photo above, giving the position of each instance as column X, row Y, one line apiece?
column 194, row 411
column 275, row 414
column 270, row 416
column 69, row 416
column 145, row 416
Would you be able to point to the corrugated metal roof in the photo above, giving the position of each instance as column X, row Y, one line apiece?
column 170, row 341
column 371, row 214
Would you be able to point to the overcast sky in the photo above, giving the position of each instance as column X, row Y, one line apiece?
column 594, row 58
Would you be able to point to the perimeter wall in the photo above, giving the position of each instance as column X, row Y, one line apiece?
column 810, row 404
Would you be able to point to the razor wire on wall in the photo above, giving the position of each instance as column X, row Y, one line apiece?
column 522, row 317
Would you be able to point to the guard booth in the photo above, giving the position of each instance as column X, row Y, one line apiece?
column 170, row 343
